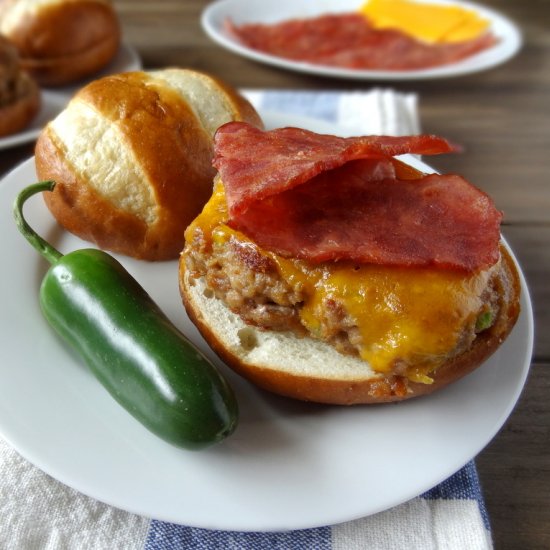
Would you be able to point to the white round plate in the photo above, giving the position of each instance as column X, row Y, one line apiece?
column 289, row 465
column 271, row 11
column 55, row 99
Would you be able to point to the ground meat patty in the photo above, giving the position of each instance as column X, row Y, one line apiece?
column 249, row 283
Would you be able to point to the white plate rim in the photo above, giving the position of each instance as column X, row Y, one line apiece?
column 508, row 32
column 274, row 513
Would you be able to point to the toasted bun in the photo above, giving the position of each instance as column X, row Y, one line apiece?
column 132, row 158
column 310, row 370
column 61, row 41
column 19, row 93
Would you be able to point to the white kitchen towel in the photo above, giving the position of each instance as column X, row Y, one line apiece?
column 39, row 513
column 379, row 111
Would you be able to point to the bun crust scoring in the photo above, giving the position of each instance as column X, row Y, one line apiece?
column 132, row 158
column 309, row 370
column 61, row 41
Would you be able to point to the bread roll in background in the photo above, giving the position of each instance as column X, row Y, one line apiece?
column 132, row 158
column 19, row 93
column 61, row 41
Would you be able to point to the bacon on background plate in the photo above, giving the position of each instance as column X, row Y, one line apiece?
column 348, row 41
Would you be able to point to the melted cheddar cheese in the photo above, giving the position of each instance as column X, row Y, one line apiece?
column 408, row 317
column 433, row 23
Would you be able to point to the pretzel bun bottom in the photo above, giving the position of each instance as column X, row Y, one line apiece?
column 311, row 370
column 67, row 69
column 132, row 158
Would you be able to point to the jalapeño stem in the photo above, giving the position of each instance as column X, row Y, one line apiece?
column 44, row 247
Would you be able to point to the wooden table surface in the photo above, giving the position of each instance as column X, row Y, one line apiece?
column 502, row 118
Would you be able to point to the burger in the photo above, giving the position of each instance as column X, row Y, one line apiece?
column 19, row 94
column 326, row 269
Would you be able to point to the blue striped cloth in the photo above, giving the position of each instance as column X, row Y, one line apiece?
column 460, row 493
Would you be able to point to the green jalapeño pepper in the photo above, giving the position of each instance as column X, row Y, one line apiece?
column 133, row 349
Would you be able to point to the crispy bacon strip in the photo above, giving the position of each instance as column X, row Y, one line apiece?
column 267, row 163
column 322, row 198
column 348, row 40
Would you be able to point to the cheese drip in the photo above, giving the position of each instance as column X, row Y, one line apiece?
column 408, row 317
column 433, row 23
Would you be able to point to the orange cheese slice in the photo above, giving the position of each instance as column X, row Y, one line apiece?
column 433, row 23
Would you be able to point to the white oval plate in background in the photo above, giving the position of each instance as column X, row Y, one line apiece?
column 271, row 11
column 289, row 465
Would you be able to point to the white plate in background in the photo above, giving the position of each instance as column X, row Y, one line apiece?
column 270, row 11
